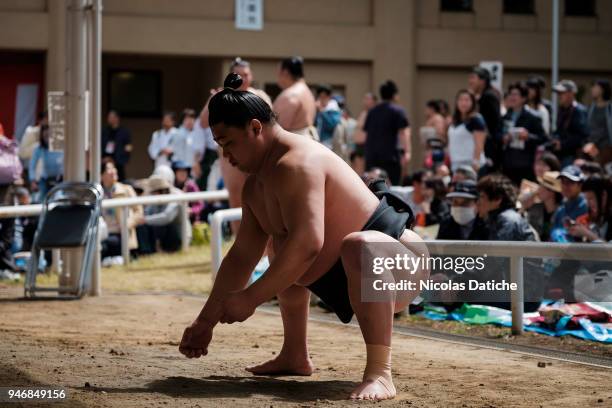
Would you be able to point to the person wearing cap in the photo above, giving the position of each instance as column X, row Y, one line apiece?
column 574, row 204
column 572, row 129
column 183, row 182
column 462, row 223
column 162, row 221
column 523, row 134
column 463, row 173
column 540, row 214
column 479, row 82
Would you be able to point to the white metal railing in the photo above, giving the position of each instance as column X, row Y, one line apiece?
column 516, row 251
column 183, row 199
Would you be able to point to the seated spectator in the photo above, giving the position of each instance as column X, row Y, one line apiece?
column 183, row 182
column 111, row 246
column 25, row 227
column 574, row 204
column 52, row 165
column 522, row 134
column 595, row 225
column 462, row 223
column 161, row 223
column 467, row 133
column 545, row 162
column 540, row 214
column 496, row 206
column 434, row 205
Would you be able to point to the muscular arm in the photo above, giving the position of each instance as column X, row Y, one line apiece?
column 286, row 108
column 301, row 193
column 238, row 264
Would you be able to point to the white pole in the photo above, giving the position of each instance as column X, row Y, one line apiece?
column 555, row 61
column 185, row 225
column 125, row 235
column 95, row 61
column 74, row 146
column 216, row 223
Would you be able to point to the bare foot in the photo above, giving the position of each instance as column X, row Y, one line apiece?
column 375, row 389
column 284, row 365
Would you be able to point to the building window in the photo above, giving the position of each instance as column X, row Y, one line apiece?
column 456, row 5
column 580, row 8
column 135, row 93
column 519, row 7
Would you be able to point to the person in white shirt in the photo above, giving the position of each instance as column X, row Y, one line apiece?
column 188, row 146
column 161, row 140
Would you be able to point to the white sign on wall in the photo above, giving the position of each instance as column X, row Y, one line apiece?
column 249, row 15
column 496, row 68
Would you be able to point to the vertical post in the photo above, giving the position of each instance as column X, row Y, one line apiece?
column 216, row 224
column 517, row 296
column 125, row 235
column 185, row 225
column 95, row 61
column 555, row 61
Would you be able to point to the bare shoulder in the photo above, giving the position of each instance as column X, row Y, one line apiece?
column 249, row 190
column 298, row 168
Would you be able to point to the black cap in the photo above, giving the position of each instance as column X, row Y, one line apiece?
column 464, row 189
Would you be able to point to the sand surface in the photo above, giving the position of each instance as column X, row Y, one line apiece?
column 125, row 347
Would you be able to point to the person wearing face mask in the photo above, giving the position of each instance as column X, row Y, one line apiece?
column 462, row 223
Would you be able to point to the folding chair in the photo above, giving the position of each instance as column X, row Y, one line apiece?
column 69, row 220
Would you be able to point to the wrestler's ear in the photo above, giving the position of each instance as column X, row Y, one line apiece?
column 257, row 126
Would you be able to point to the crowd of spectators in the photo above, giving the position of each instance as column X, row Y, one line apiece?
column 494, row 167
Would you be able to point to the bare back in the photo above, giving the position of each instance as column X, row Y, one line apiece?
column 295, row 107
column 348, row 203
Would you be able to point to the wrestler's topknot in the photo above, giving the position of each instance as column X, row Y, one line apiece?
column 232, row 81
column 236, row 108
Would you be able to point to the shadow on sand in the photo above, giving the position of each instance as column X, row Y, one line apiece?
column 243, row 387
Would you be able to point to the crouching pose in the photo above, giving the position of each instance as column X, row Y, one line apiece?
column 320, row 216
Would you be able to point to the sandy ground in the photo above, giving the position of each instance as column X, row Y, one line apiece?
column 125, row 348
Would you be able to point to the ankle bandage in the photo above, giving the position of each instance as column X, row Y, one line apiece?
column 378, row 367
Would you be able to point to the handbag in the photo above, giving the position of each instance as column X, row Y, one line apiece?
column 10, row 165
